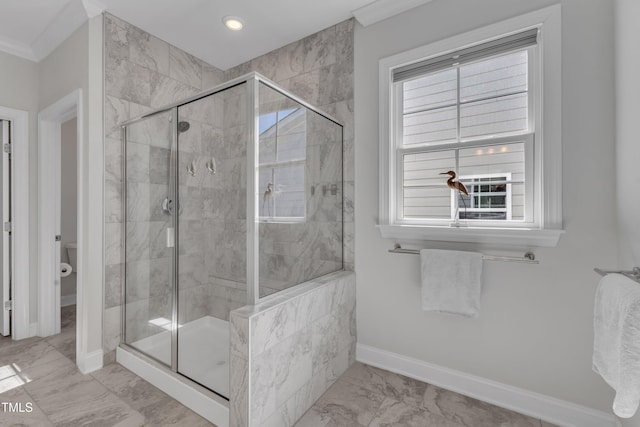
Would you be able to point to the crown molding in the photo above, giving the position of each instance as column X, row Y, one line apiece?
column 65, row 23
column 93, row 8
column 15, row 48
column 383, row 9
column 69, row 19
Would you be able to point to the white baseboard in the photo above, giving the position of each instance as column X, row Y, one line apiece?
column 89, row 362
column 33, row 329
column 66, row 300
column 556, row 411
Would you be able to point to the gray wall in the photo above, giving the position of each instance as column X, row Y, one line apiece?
column 627, row 63
column 535, row 324
column 19, row 90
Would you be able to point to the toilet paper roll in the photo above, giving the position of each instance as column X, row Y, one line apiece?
column 65, row 269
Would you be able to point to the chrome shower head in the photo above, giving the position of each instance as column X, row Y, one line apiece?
column 183, row 126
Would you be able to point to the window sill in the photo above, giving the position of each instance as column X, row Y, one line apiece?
column 496, row 236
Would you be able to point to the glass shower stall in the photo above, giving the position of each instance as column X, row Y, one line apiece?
column 229, row 197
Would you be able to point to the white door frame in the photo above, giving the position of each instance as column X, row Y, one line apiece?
column 49, row 168
column 5, row 280
column 20, row 280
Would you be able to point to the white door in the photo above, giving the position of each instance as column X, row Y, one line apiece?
column 5, row 268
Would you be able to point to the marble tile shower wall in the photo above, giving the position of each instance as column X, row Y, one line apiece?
column 294, row 252
column 319, row 69
column 213, row 231
column 142, row 72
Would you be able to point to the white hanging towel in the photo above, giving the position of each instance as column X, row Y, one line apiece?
column 616, row 345
column 451, row 281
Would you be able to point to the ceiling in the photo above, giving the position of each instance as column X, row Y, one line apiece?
column 33, row 28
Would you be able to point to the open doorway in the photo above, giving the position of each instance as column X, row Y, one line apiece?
column 60, row 224
column 64, row 339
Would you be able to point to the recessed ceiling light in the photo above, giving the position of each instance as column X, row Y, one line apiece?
column 233, row 23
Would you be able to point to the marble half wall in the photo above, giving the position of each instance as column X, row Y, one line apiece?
column 286, row 352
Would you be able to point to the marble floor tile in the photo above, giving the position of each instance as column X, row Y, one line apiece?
column 316, row 417
column 45, row 379
column 386, row 383
column 65, row 343
column 28, row 354
column 169, row 412
column 372, row 397
column 137, row 392
column 69, row 397
column 7, row 342
column 470, row 412
column 35, row 417
column 42, row 371
column 105, row 409
column 157, row 408
column 345, row 400
column 393, row 413
column 68, row 317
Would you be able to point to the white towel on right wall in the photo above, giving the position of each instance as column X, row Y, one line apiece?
column 616, row 344
column 451, row 281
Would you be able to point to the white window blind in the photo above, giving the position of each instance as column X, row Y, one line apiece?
column 462, row 56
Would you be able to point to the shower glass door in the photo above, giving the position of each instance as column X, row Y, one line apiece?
column 211, row 243
column 149, row 235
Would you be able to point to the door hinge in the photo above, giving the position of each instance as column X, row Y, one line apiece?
column 8, row 226
column 8, row 305
column 6, row 148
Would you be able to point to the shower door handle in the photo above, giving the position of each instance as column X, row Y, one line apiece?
column 171, row 237
column 167, row 206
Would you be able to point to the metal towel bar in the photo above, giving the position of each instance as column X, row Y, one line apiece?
column 528, row 258
column 633, row 274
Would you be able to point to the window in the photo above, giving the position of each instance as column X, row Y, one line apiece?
column 282, row 165
column 469, row 110
column 489, row 197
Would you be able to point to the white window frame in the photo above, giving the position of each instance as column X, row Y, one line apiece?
column 277, row 164
column 545, row 228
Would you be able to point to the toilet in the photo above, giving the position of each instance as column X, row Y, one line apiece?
column 72, row 253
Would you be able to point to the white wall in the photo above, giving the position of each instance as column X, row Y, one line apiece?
column 627, row 64
column 66, row 69
column 534, row 329
column 19, row 89
column 69, row 198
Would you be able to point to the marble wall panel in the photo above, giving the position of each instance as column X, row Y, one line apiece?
column 147, row 51
column 185, row 68
column 296, row 344
column 143, row 72
column 319, row 69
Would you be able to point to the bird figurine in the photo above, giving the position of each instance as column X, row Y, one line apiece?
column 455, row 185
column 459, row 187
